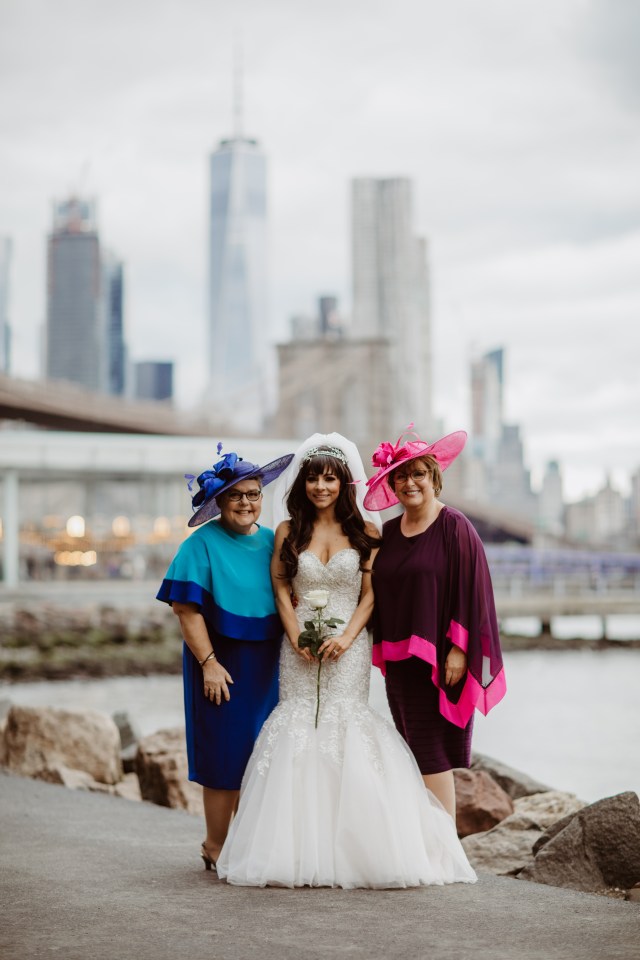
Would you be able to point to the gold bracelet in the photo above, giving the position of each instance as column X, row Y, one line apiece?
column 212, row 656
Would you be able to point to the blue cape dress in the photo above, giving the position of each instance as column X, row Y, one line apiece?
column 226, row 576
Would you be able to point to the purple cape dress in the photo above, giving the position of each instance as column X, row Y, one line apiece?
column 434, row 590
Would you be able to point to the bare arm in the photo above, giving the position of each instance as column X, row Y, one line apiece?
column 282, row 593
column 335, row 646
column 194, row 632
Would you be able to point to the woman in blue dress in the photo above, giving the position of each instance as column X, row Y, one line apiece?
column 219, row 586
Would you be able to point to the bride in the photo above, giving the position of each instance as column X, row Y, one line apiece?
column 341, row 803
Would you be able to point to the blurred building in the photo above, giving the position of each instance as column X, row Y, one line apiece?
column 551, row 501
column 602, row 520
column 328, row 381
column 391, row 292
column 495, row 467
column 240, row 368
column 113, row 279
column 75, row 335
column 330, row 321
column 510, row 479
column 154, row 380
column 5, row 328
column 85, row 307
column 634, row 507
column 487, row 387
column 329, row 384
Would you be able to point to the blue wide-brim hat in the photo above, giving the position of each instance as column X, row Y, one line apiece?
column 231, row 469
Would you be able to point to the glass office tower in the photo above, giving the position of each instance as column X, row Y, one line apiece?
column 239, row 348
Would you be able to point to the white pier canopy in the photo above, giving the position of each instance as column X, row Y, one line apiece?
column 30, row 455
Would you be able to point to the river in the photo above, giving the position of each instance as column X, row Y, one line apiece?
column 570, row 718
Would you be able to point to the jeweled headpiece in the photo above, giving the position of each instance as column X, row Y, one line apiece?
column 326, row 452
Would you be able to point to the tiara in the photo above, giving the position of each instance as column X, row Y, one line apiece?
column 325, row 452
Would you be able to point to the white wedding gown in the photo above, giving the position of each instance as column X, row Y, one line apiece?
column 344, row 804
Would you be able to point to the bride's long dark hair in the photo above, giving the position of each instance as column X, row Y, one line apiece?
column 303, row 513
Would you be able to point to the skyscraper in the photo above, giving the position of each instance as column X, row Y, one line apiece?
column 495, row 471
column 113, row 277
column 487, row 386
column 5, row 329
column 391, row 291
column 75, row 316
column 85, row 303
column 240, row 361
column 154, row 380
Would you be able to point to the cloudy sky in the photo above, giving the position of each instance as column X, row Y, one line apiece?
column 518, row 122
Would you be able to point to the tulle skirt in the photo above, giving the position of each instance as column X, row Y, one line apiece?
column 341, row 805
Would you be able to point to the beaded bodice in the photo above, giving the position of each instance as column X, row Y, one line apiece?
column 349, row 677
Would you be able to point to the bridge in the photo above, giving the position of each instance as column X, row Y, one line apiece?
column 554, row 582
column 59, row 405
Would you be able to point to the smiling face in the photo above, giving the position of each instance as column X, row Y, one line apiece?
column 413, row 485
column 322, row 489
column 239, row 516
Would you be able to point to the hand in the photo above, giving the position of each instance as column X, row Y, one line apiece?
column 303, row 652
column 454, row 666
column 333, row 647
column 216, row 681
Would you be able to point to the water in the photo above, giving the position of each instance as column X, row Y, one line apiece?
column 570, row 718
column 589, row 627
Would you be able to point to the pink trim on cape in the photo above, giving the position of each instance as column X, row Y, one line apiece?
column 473, row 696
column 458, row 635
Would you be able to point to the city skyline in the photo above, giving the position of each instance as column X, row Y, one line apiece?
column 518, row 127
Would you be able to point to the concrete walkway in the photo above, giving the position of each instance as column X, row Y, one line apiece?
column 93, row 877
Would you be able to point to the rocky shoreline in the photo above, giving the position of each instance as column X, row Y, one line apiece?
column 53, row 643
column 510, row 824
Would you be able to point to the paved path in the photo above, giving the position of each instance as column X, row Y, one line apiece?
column 92, row 877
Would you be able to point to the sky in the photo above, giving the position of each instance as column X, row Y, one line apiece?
column 518, row 123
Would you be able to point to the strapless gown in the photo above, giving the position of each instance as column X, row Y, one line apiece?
column 342, row 805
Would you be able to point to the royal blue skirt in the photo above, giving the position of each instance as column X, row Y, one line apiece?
column 220, row 738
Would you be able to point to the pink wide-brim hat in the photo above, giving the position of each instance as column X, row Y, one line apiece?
column 389, row 457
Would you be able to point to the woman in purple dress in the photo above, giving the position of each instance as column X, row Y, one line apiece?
column 435, row 633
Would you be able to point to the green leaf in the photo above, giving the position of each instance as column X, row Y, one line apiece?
column 310, row 643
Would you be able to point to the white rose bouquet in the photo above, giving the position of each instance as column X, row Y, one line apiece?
column 316, row 632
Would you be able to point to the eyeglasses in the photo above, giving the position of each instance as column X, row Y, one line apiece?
column 252, row 496
column 416, row 475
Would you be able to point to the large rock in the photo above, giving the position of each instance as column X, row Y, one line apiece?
column 597, row 849
column 41, row 739
column 129, row 738
column 513, row 782
column 71, row 779
column 5, row 706
column 480, row 802
column 547, row 809
column 128, row 788
column 161, row 765
column 508, row 847
column 505, row 849
column 129, row 734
